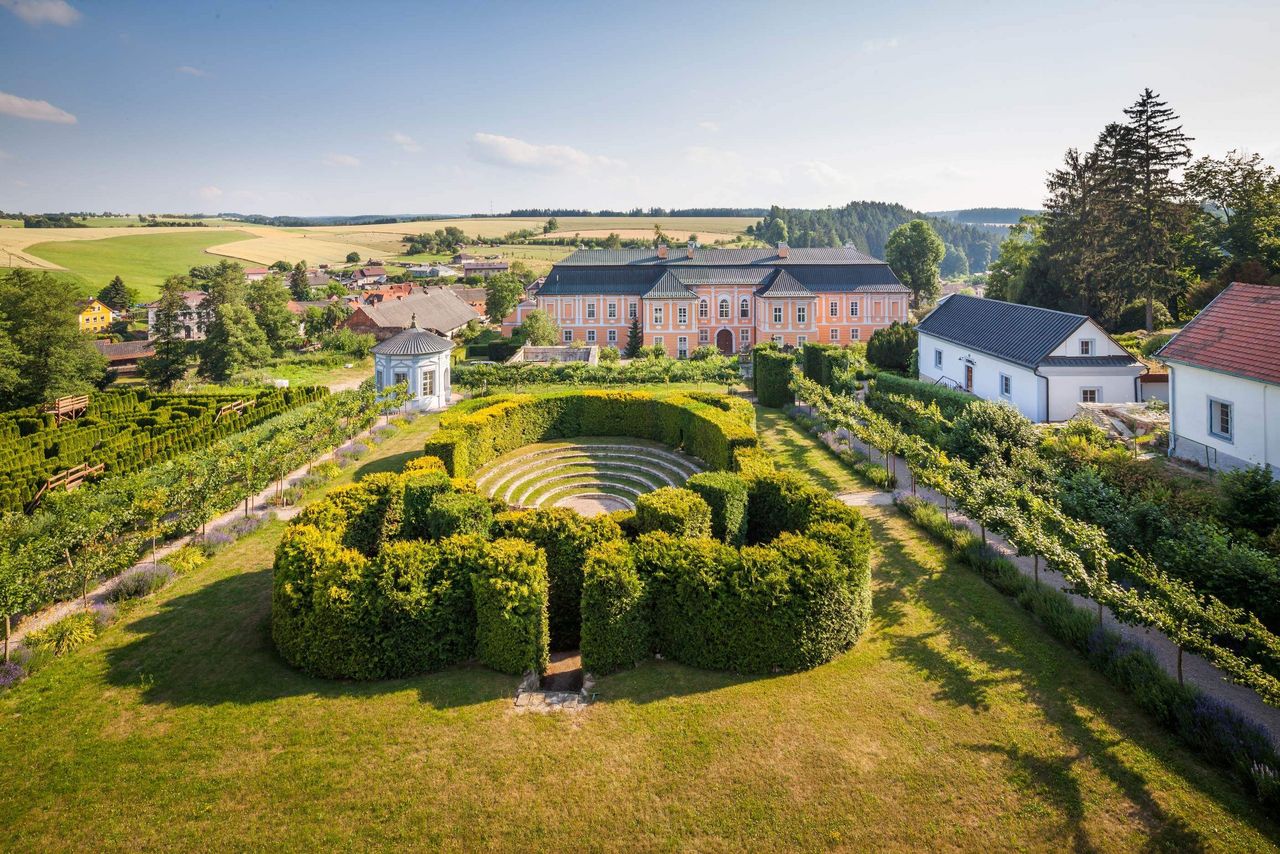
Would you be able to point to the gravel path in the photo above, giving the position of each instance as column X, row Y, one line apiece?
column 1195, row 670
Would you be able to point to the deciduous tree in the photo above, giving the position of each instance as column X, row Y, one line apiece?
column 914, row 252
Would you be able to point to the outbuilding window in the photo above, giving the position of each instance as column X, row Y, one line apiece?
column 1090, row 395
column 937, row 358
column 1086, row 346
column 1006, row 385
column 1220, row 419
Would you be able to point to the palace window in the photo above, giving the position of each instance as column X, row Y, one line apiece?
column 802, row 314
column 657, row 314
column 801, row 340
column 777, row 314
column 612, row 336
column 744, row 309
column 745, row 335
column 591, row 311
column 855, row 333
column 568, row 336
column 682, row 314
column 702, row 309
column 704, row 336
column 682, row 347
column 612, row 311
column 853, row 308
column 835, row 333
column 631, row 311
column 591, row 336
column 834, row 308
column 724, row 309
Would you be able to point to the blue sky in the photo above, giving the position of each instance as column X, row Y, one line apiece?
column 333, row 108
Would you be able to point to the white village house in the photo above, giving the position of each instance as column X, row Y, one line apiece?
column 1041, row 361
column 1224, row 381
column 421, row 359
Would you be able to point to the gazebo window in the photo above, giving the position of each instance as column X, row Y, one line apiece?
column 428, row 383
column 401, row 377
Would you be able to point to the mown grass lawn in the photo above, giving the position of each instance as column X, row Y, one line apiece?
column 955, row 723
column 144, row 261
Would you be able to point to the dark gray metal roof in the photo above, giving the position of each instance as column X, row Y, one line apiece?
column 1022, row 334
column 715, row 257
column 1090, row 362
column 413, row 342
column 784, row 285
column 669, row 287
column 638, row 279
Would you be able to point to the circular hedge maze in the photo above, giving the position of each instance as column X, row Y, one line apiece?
column 591, row 476
column 743, row 568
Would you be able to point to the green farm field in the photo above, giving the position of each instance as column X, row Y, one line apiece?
column 955, row 723
column 143, row 261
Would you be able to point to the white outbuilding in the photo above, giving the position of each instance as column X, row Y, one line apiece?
column 1041, row 361
column 419, row 358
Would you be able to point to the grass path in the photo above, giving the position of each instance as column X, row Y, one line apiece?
column 955, row 723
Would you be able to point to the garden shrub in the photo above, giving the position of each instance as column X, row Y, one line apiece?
column 615, row 626
column 420, row 490
column 726, row 495
column 186, row 559
column 458, row 513
column 139, row 581
column 69, row 633
column 772, row 369
column 674, row 510
column 565, row 537
column 510, row 587
column 429, row 621
column 750, row 462
column 780, row 501
column 988, row 430
column 890, row 348
column 951, row 402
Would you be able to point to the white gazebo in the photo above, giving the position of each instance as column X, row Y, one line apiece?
column 419, row 358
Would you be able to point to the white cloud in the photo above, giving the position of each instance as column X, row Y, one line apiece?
column 518, row 154
column 711, row 126
column 877, row 45
column 209, row 193
column 406, row 142
column 340, row 160
column 37, row 12
column 191, row 70
column 36, row 111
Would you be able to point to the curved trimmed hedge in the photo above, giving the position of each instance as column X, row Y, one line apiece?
column 397, row 575
column 710, row 427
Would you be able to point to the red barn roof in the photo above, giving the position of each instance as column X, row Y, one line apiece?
column 1237, row 334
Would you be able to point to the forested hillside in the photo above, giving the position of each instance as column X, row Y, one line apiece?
column 986, row 216
column 867, row 226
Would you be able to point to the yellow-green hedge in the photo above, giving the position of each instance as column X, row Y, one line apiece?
column 710, row 427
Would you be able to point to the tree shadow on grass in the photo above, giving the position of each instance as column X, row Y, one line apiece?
column 213, row 646
column 992, row 642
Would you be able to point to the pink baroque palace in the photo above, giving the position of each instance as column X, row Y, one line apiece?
column 731, row 299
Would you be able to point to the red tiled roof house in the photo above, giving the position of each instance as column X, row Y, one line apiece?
column 1224, row 381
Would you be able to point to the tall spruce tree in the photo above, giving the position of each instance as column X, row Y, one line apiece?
column 298, row 285
column 635, row 339
column 1148, row 231
column 116, row 295
column 172, row 351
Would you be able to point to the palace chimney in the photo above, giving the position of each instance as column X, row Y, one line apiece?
column 783, row 249
column 689, row 251
column 662, row 251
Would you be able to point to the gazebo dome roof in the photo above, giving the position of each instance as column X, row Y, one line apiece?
column 413, row 342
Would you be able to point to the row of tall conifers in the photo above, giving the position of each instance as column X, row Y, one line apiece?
column 125, row 432
column 751, row 571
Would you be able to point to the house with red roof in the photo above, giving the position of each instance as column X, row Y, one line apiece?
column 1224, row 381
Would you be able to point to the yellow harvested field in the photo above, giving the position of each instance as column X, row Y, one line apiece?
column 274, row 244
column 678, row 227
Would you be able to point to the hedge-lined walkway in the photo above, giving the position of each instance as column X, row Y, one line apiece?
column 1196, row 671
